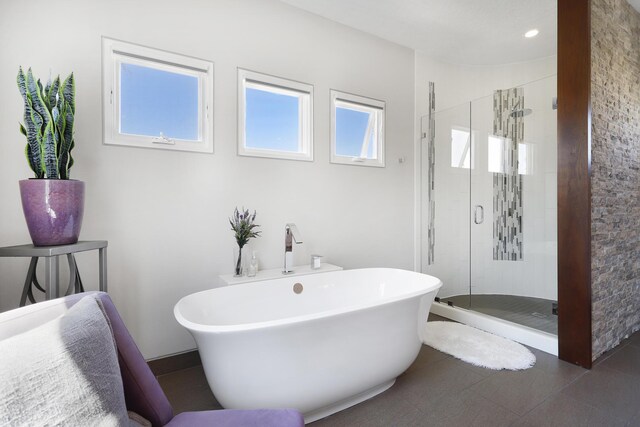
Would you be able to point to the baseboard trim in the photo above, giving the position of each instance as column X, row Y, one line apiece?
column 175, row 362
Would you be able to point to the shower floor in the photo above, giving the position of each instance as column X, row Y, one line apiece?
column 532, row 312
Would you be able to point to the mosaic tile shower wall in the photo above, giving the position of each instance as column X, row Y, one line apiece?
column 431, row 147
column 507, row 185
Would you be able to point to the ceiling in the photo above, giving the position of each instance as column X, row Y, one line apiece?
column 470, row 32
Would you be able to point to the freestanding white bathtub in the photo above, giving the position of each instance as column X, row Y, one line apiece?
column 317, row 343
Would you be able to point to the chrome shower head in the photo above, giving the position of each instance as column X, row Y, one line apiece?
column 521, row 113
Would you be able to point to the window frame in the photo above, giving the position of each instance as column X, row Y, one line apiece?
column 364, row 104
column 116, row 52
column 281, row 86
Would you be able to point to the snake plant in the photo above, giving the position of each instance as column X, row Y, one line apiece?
column 48, row 124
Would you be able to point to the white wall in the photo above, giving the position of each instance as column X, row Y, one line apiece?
column 455, row 87
column 165, row 213
column 457, row 84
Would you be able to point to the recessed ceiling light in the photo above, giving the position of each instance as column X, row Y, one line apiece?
column 531, row 33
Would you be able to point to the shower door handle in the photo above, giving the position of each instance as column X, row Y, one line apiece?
column 478, row 209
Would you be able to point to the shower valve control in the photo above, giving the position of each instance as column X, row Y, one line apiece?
column 478, row 214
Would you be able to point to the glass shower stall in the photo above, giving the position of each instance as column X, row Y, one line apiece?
column 488, row 204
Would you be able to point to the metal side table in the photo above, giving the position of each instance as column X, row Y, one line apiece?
column 51, row 256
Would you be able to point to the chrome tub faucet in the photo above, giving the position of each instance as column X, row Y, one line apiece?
column 291, row 235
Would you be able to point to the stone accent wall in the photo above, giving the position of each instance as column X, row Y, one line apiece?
column 615, row 175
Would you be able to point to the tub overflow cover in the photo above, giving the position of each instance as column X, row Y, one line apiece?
column 297, row 288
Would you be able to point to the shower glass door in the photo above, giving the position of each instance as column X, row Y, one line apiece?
column 447, row 234
column 489, row 204
column 513, row 243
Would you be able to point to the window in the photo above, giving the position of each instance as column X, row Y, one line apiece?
column 498, row 150
column 274, row 117
column 357, row 130
column 460, row 148
column 156, row 99
column 525, row 158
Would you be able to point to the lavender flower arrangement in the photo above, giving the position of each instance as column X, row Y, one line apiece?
column 243, row 224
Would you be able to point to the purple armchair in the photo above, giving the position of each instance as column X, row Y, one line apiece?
column 142, row 391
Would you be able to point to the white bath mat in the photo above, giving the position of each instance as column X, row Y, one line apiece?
column 477, row 347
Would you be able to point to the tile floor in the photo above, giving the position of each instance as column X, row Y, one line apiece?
column 438, row 390
column 536, row 313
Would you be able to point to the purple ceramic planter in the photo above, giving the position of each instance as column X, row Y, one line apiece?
column 53, row 209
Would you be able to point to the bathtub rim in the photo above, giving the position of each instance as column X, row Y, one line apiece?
column 198, row 327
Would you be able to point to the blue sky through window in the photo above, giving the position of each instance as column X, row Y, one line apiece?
column 154, row 101
column 271, row 121
column 351, row 127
